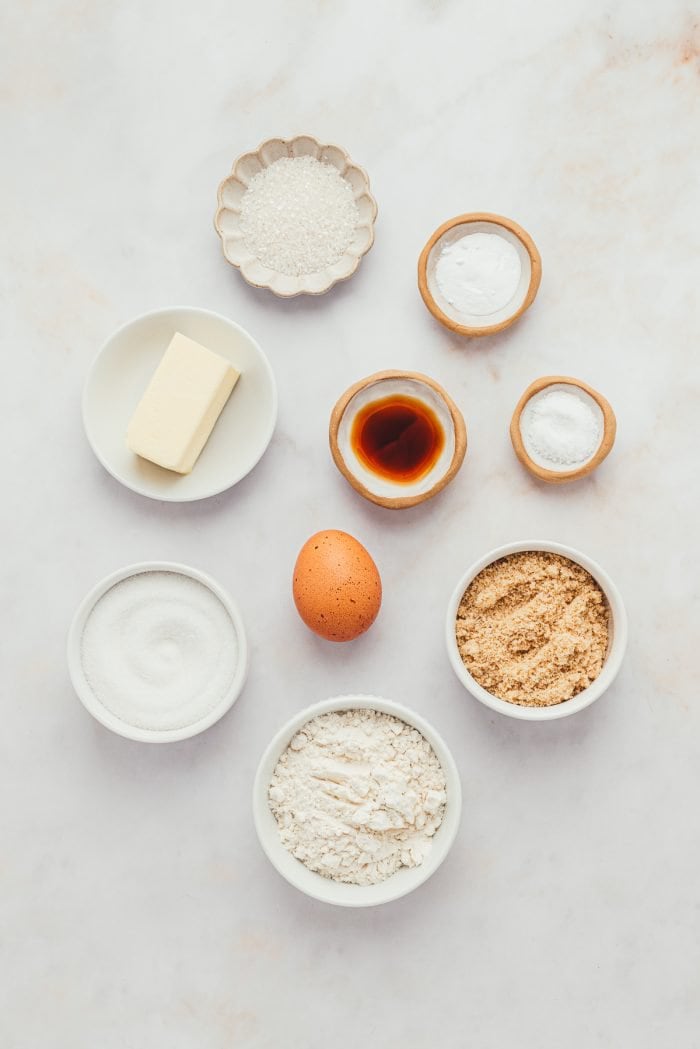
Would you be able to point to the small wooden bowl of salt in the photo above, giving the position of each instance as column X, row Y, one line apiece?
column 562, row 429
column 478, row 273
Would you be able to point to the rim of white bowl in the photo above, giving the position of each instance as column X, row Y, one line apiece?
column 613, row 658
column 87, row 696
column 315, row 885
column 140, row 489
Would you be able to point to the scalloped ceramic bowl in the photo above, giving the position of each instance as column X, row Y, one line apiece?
column 227, row 219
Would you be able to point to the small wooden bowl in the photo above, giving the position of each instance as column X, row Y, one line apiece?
column 396, row 495
column 606, row 443
column 451, row 231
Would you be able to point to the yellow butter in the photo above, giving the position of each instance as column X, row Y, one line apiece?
column 182, row 402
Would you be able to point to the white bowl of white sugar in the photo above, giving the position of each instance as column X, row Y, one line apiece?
column 357, row 801
column 157, row 652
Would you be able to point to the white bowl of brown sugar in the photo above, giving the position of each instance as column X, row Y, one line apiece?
column 536, row 630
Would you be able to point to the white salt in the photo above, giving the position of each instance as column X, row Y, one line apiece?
column 561, row 427
column 298, row 215
column 159, row 650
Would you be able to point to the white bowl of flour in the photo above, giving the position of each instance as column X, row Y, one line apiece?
column 356, row 801
column 157, row 652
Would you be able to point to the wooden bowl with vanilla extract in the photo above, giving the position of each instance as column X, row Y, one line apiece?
column 535, row 458
column 397, row 437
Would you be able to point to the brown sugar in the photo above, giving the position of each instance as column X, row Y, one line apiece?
column 532, row 629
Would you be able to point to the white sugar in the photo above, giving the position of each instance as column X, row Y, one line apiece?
column 159, row 650
column 298, row 215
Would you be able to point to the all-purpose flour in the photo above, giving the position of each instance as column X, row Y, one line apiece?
column 159, row 650
column 357, row 795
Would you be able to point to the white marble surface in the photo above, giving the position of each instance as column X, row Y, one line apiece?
column 136, row 908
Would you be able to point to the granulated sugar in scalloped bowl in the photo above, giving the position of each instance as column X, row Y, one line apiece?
column 298, row 216
column 295, row 216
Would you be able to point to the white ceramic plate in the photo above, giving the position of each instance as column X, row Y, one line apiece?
column 617, row 641
column 407, row 878
column 91, row 701
column 120, row 374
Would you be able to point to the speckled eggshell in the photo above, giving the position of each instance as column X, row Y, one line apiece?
column 337, row 588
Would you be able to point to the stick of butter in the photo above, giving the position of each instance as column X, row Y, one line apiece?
column 177, row 413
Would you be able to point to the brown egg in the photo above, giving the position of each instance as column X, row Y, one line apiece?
column 337, row 588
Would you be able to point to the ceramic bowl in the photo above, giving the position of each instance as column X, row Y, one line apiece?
column 617, row 641
column 227, row 218
column 534, row 462
column 92, row 703
column 406, row 879
column 452, row 231
column 385, row 492
column 120, row 374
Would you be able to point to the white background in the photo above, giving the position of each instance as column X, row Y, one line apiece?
column 136, row 907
